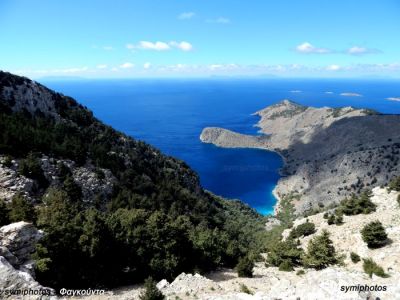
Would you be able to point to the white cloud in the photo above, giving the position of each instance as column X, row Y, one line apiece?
column 356, row 50
column 108, row 48
column 184, row 46
column 393, row 99
column 147, row 65
column 101, row 66
column 186, row 15
column 158, row 46
column 219, row 20
column 306, row 47
column 333, row 68
column 127, row 65
column 161, row 46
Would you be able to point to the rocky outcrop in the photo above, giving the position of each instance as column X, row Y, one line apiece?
column 87, row 177
column 13, row 283
column 17, row 243
column 328, row 153
column 12, row 183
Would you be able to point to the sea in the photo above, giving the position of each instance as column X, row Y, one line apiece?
column 171, row 113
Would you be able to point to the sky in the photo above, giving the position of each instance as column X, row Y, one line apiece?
column 200, row 38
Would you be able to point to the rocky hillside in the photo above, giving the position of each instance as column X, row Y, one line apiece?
column 112, row 210
column 270, row 283
column 329, row 153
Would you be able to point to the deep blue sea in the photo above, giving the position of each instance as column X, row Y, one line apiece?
column 170, row 115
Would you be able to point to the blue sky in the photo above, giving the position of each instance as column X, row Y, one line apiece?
column 193, row 38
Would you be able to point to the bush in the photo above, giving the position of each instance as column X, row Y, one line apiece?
column 151, row 291
column 72, row 189
column 245, row 267
column 320, row 252
column 331, row 219
column 287, row 250
column 7, row 161
column 358, row 205
column 245, row 289
column 304, row 229
column 398, row 199
column 394, row 184
column 30, row 167
column 338, row 218
column 300, row 272
column 370, row 267
column 374, row 235
column 355, row 258
column 286, row 266
column 21, row 210
column 4, row 213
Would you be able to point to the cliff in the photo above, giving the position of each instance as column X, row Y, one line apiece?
column 329, row 153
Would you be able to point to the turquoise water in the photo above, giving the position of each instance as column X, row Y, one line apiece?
column 170, row 115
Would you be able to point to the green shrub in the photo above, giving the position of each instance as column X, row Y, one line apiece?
column 320, row 252
column 398, row 199
column 358, row 205
column 394, row 184
column 331, row 219
column 374, row 235
column 304, row 229
column 287, row 250
column 7, row 161
column 72, row 189
column 245, row 267
column 245, row 289
column 370, row 267
column 30, row 167
column 355, row 258
column 21, row 210
column 151, row 291
column 338, row 218
column 286, row 266
column 300, row 272
column 4, row 213
column 326, row 215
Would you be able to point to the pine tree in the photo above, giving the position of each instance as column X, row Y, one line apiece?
column 320, row 252
column 374, row 235
column 151, row 291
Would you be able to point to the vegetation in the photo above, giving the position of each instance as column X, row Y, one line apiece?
column 394, row 184
column 336, row 218
column 320, row 252
column 285, row 254
column 21, row 210
column 300, row 272
column 304, row 229
column 355, row 258
column 374, row 235
column 370, row 267
column 286, row 214
column 245, row 289
column 151, row 291
column 357, row 205
column 245, row 267
column 4, row 213
column 158, row 221
column 286, row 266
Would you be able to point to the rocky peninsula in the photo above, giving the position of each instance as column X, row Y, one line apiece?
column 329, row 153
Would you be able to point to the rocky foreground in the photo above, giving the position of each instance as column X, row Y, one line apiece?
column 329, row 153
column 269, row 283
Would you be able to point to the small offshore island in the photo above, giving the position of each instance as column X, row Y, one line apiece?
column 328, row 153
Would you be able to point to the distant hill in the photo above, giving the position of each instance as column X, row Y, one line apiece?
column 329, row 153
